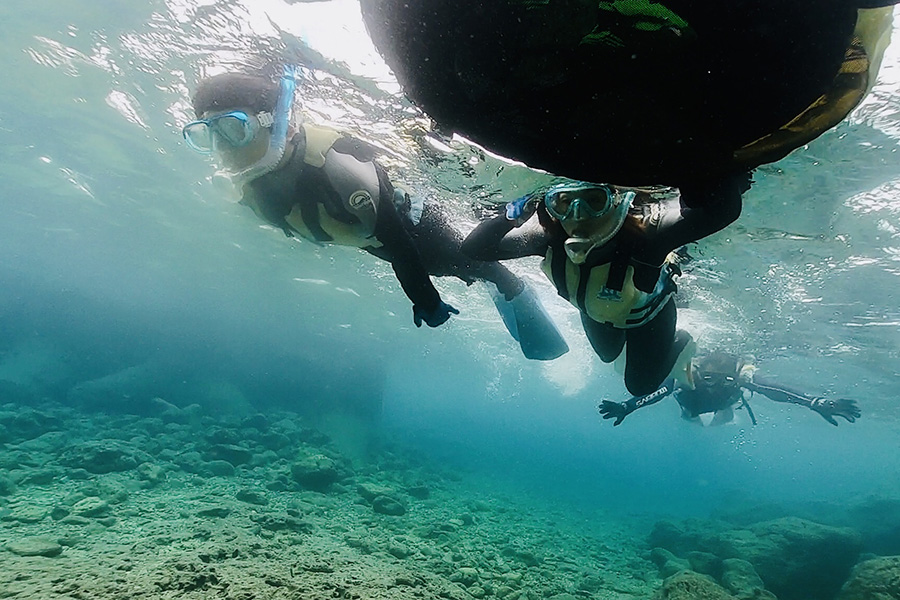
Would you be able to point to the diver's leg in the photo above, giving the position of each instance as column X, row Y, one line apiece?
column 649, row 356
column 438, row 242
column 519, row 307
column 651, row 351
column 439, row 245
column 606, row 340
column 508, row 283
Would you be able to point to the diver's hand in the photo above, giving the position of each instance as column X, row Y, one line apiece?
column 521, row 209
column 829, row 409
column 615, row 410
column 437, row 316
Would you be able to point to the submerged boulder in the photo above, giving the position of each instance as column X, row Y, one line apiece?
column 742, row 581
column 795, row 558
column 370, row 490
column 231, row 453
column 687, row 536
column 878, row 519
column 27, row 424
column 388, row 506
column 667, row 563
column 315, row 472
column 876, row 579
column 688, row 585
column 799, row 559
column 34, row 546
column 103, row 456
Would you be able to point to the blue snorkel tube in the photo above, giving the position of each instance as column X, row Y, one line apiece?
column 281, row 121
column 285, row 106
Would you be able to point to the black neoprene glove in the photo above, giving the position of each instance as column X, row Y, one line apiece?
column 841, row 407
column 434, row 317
column 616, row 410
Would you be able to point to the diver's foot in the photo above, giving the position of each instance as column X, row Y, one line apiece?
column 528, row 323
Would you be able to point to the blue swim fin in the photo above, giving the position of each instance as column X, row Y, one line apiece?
column 529, row 324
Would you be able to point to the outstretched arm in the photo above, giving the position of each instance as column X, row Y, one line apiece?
column 511, row 234
column 620, row 410
column 829, row 409
column 702, row 209
column 399, row 249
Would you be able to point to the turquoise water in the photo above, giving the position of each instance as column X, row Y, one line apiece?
column 128, row 275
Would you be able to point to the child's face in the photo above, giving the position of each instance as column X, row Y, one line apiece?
column 238, row 158
column 717, row 383
column 587, row 228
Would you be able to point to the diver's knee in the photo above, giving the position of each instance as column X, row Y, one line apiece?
column 508, row 283
column 640, row 385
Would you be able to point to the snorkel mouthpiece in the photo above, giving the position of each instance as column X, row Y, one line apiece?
column 578, row 248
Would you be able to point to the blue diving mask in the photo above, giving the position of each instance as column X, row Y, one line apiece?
column 579, row 201
column 718, row 379
column 236, row 128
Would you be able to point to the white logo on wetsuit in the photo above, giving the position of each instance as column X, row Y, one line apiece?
column 360, row 199
column 609, row 294
column 660, row 392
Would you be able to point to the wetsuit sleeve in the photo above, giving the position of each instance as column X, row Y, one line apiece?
column 399, row 249
column 664, row 390
column 500, row 238
column 778, row 393
column 620, row 410
column 702, row 209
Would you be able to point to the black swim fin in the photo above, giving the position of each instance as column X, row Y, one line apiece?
column 527, row 321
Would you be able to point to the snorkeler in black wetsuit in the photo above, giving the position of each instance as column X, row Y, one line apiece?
column 720, row 380
column 327, row 187
column 605, row 249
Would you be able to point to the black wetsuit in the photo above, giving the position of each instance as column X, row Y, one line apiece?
column 652, row 230
column 707, row 398
column 429, row 246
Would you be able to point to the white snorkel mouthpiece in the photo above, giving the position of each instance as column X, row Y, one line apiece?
column 602, row 229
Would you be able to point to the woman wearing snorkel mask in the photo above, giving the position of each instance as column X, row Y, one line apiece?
column 327, row 187
column 607, row 251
